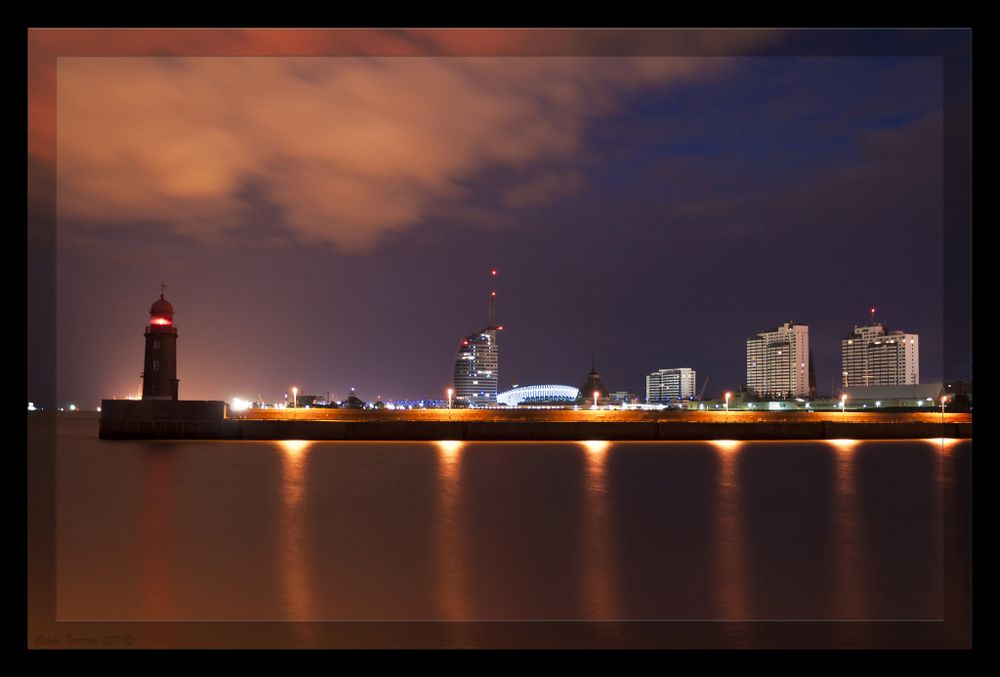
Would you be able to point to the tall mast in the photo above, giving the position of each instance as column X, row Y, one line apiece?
column 493, row 295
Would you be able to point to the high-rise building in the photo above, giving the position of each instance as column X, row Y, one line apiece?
column 670, row 384
column 159, row 374
column 871, row 356
column 777, row 361
column 477, row 364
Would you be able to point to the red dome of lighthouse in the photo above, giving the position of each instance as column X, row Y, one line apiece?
column 162, row 308
column 161, row 312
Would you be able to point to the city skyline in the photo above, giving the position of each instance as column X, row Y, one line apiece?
column 633, row 206
column 479, row 350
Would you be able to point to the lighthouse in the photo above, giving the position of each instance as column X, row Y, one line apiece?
column 159, row 374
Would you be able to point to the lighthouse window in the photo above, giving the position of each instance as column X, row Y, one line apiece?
column 156, row 365
column 156, row 345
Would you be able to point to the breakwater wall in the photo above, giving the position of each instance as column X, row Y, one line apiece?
column 589, row 430
column 208, row 423
column 162, row 419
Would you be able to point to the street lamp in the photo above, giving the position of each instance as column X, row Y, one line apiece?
column 596, row 393
column 728, row 395
column 450, row 391
column 944, row 398
column 295, row 397
column 843, row 403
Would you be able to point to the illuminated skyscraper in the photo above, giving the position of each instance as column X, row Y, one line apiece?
column 870, row 356
column 777, row 361
column 667, row 384
column 477, row 364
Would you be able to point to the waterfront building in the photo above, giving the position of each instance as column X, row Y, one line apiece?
column 664, row 385
column 777, row 361
column 887, row 396
column 871, row 356
column 159, row 373
column 538, row 394
column 477, row 365
column 593, row 384
column 624, row 397
column 353, row 401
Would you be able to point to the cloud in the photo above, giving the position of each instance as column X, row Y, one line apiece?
column 896, row 179
column 542, row 188
column 349, row 148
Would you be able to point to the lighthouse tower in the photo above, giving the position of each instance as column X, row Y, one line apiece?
column 159, row 374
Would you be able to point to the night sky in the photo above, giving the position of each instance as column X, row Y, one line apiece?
column 330, row 221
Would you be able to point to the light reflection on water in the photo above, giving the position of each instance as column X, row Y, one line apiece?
column 597, row 559
column 155, row 536
column 945, row 444
column 437, row 506
column 295, row 576
column 451, row 557
column 848, row 537
column 944, row 482
column 732, row 601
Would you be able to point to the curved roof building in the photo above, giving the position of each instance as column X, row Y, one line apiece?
column 541, row 393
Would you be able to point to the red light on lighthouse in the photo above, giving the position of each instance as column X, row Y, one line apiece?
column 162, row 321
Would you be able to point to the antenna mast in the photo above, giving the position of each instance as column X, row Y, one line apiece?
column 493, row 295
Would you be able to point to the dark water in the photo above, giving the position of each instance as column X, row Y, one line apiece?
column 449, row 531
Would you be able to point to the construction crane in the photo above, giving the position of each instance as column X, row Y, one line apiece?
column 701, row 393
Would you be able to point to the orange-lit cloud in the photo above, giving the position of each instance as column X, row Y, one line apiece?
column 350, row 148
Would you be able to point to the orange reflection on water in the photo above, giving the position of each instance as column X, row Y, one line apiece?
column 600, row 588
column 943, row 443
column 450, row 451
column 295, row 578
column 596, row 448
column 727, row 445
column 944, row 483
column 452, row 586
column 732, row 601
column 155, row 534
column 848, row 536
column 843, row 445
